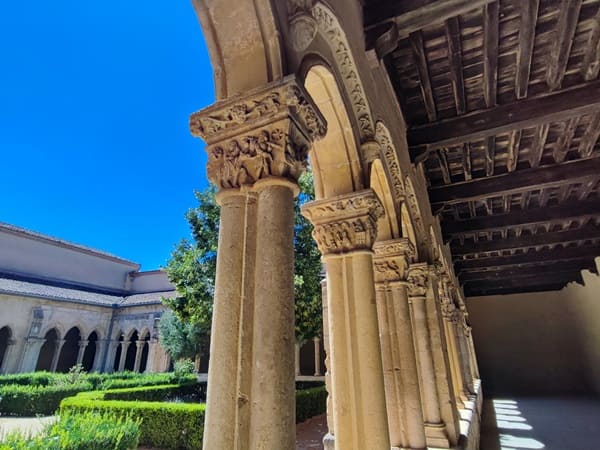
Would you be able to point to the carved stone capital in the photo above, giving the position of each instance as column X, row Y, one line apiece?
column 418, row 278
column 391, row 259
column 345, row 223
column 265, row 133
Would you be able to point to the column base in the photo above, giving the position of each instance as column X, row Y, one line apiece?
column 435, row 435
column 329, row 442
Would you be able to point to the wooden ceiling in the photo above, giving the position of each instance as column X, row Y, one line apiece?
column 502, row 101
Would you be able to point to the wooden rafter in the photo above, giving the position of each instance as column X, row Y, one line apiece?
column 530, row 269
column 561, row 48
column 490, row 53
column 521, row 242
column 443, row 160
column 529, row 12
column 591, row 57
column 537, row 147
column 513, row 150
column 529, row 257
column 466, row 156
column 590, row 137
column 541, row 279
column 563, row 144
column 529, row 112
column 537, row 178
column 418, row 49
column 452, row 28
column 575, row 211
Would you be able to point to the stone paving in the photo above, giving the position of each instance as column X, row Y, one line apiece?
column 309, row 434
column 25, row 425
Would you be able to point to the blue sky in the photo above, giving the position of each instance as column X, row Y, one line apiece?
column 94, row 106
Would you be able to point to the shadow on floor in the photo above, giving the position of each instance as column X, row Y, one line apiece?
column 550, row 423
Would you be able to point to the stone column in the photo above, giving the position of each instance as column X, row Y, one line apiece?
column 31, row 353
column 122, row 360
column 101, row 351
column 329, row 438
column 257, row 146
column 109, row 362
column 405, row 414
column 82, row 346
column 7, row 360
column 317, row 346
column 465, row 358
column 57, row 350
column 152, row 354
column 472, row 354
column 436, row 430
column 345, row 230
column 139, row 346
column 297, row 358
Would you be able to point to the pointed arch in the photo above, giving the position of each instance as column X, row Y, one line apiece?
column 387, row 225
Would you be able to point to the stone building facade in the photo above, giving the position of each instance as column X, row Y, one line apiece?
column 63, row 304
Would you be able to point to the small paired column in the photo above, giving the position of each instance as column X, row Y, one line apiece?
column 139, row 350
column 405, row 413
column 124, row 347
column 440, row 415
column 345, row 230
column 317, row 346
column 56, row 355
column 152, row 348
column 82, row 346
column 257, row 147
column 100, row 355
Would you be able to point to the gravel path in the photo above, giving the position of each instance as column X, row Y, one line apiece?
column 25, row 425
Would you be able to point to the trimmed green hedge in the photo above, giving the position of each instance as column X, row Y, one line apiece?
column 173, row 425
column 20, row 400
column 165, row 425
column 310, row 402
column 88, row 431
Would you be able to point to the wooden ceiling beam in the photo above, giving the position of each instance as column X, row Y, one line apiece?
column 418, row 49
column 550, row 279
column 466, row 156
column 563, row 144
column 518, row 275
column 563, row 40
column 413, row 15
column 591, row 57
column 529, row 112
column 528, row 258
column 522, row 270
column 529, row 12
column 572, row 211
column 557, row 237
column 580, row 170
column 539, row 142
column 452, row 28
column 490, row 53
column 590, row 137
column 509, row 291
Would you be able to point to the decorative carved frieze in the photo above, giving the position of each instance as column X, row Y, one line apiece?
column 391, row 259
column 345, row 223
column 383, row 138
column 333, row 33
column 266, row 133
column 418, row 278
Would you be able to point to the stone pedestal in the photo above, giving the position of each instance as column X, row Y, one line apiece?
column 405, row 414
column 257, row 147
column 345, row 230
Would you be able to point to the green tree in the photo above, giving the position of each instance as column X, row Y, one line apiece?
column 192, row 268
column 182, row 339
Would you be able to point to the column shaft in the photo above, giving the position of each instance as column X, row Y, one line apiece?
column 272, row 425
column 139, row 345
column 227, row 403
column 317, row 347
column 56, row 355
column 124, row 347
column 360, row 416
column 82, row 346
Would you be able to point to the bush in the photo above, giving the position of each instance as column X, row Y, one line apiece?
column 164, row 425
column 87, row 431
column 188, row 392
column 21, row 400
column 310, row 403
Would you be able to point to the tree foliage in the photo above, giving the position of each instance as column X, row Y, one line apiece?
column 192, row 270
column 182, row 339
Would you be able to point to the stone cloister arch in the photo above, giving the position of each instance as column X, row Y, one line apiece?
column 131, row 350
column 305, row 96
column 48, row 355
column 68, row 350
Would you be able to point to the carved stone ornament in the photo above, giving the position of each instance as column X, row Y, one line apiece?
column 345, row 223
column 266, row 133
column 418, row 276
column 391, row 260
column 303, row 26
column 334, row 35
column 383, row 138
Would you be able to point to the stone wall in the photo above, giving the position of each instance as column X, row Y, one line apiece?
column 546, row 342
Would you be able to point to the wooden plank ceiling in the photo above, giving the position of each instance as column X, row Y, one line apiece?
column 502, row 101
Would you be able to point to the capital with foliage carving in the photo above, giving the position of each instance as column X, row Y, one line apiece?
column 345, row 223
column 264, row 133
column 391, row 259
column 418, row 278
